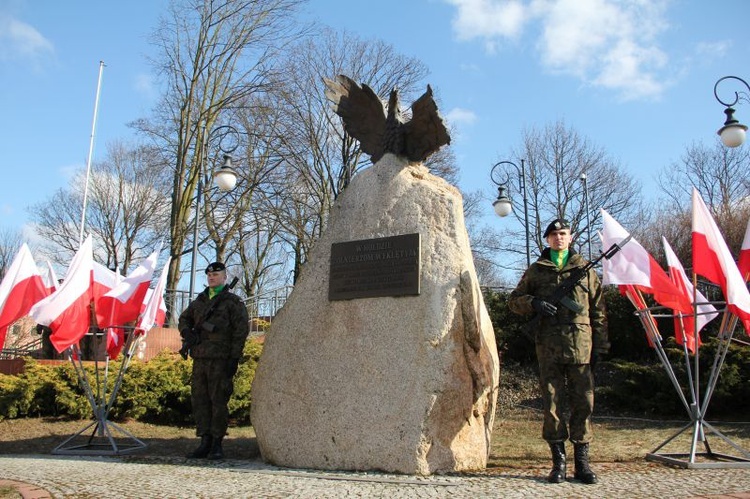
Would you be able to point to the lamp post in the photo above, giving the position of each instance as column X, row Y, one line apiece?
column 503, row 205
column 588, row 212
column 733, row 132
column 226, row 179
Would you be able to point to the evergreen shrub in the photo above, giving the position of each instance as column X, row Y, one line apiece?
column 157, row 391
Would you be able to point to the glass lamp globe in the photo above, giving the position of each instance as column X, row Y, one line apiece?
column 733, row 135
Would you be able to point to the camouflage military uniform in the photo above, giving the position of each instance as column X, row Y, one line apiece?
column 564, row 344
column 222, row 339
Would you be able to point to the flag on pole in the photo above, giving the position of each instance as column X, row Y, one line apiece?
column 634, row 265
column 713, row 260
column 155, row 311
column 67, row 311
column 686, row 327
column 744, row 261
column 647, row 319
column 21, row 287
column 122, row 304
column 50, row 279
column 104, row 280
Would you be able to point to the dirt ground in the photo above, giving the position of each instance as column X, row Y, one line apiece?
column 44, row 436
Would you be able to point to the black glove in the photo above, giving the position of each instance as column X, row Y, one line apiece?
column 232, row 365
column 543, row 307
column 189, row 340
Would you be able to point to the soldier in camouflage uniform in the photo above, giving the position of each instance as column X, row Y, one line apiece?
column 568, row 343
column 214, row 328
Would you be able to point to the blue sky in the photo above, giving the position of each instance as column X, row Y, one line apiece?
column 635, row 77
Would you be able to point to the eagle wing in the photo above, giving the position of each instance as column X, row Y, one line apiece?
column 361, row 110
column 426, row 132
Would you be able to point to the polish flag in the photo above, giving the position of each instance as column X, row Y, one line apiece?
column 713, row 260
column 104, row 280
column 67, row 311
column 50, row 279
column 20, row 289
column 634, row 265
column 155, row 311
column 685, row 328
column 122, row 304
column 647, row 319
column 744, row 260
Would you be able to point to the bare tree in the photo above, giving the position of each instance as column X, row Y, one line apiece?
column 126, row 211
column 554, row 159
column 721, row 177
column 10, row 242
column 214, row 57
column 321, row 157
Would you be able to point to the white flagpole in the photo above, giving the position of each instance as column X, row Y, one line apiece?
column 91, row 153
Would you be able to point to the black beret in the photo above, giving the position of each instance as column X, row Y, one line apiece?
column 215, row 267
column 557, row 224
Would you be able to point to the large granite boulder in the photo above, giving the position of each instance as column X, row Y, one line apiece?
column 395, row 383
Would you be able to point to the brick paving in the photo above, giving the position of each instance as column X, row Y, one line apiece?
column 41, row 476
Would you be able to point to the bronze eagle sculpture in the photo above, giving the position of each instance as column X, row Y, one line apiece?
column 380, row 130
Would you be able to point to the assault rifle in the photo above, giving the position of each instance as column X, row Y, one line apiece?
column 560, row 295
column 193, row 338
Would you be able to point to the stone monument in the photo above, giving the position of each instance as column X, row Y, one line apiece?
column 384, row 356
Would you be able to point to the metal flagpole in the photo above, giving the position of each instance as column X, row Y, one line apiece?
column 102, row 439
column 697, row 410
column 91, row 152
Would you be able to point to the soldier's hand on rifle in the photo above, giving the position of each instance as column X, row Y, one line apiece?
column 543, row 307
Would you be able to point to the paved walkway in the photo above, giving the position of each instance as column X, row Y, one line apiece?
column 152, row 477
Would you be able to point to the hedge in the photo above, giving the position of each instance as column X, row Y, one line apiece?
column 156, row 391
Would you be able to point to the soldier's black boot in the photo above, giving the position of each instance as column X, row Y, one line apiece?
column 557, row 475
column 581, row 457
column 203, row 448
column 216, row 451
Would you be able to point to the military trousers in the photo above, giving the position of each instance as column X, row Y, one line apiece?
column 210, row 390
column 571, row 383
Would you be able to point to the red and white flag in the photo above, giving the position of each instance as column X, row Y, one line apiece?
column 647, row 319
column 744, row 261
column 634, row 265
column 685, row 328
column 21, row 288
column 155, row 310
column 122, row 304
column 713, row 260
column 67, row 311
column 50, row 279
column 104, row 280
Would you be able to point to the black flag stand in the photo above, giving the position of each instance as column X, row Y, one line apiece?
column 105, row 438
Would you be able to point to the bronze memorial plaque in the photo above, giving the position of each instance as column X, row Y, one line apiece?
column 386, row 266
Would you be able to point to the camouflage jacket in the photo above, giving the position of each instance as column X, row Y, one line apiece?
column 568, row 336
column 223, row 333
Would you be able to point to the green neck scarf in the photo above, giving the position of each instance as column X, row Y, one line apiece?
column 214, row 291
column 559, row 257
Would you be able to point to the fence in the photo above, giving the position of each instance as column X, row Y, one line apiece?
column 261, row 308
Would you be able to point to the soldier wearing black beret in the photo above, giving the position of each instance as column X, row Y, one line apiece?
column 568, row 339
column 214, row 328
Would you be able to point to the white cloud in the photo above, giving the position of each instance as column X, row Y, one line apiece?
column 459, row 115
column 713, row 50
column 489, row 20
column 605, row 43
column 144, row 84
column 21, row 41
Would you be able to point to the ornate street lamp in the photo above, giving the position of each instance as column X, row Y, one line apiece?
column 733, row 132
column 504, row 206
column 225, row 177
